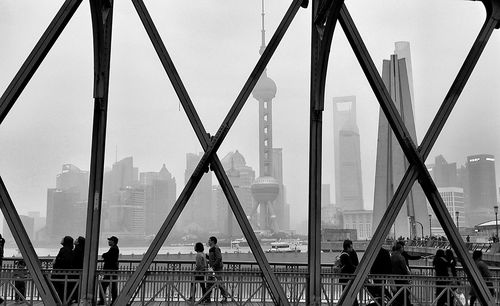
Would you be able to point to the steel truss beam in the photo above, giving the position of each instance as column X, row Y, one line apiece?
column 7, row 101
column 102, row 20
column 210, row 146
column 416, row 157
column 324, row 19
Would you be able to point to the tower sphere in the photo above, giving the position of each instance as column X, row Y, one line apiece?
column 265, row 189
column 265, row 89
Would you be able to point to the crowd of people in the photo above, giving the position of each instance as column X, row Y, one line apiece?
column 396, row 262
column 70, row 257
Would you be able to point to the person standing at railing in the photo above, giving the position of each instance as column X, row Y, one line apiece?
column 215, row 262
column 407, row 256
column 77, row 262
column 441, row 268
column 399, row 267
column 452, row 262
column 200, row 268
column 381, row 267
column 346, row 265
column 63, row 261
column 477, row 256
column 2, row 245
column 110, row 263
column 20, row 275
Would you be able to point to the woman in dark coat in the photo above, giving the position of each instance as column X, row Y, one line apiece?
column 63, row 261
column 441, row 267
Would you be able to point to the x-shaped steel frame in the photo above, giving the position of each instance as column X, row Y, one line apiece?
column 209, row 159
column 416, row 157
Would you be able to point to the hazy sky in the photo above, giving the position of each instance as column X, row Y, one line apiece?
column 214, row 45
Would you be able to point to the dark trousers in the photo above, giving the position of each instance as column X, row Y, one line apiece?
column 106, row 281
column 60, row 284
column 404, row 297
column 21, row 287
column 215, row 281
column 198, row 279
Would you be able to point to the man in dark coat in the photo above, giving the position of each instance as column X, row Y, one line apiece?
column 63, row 261
column 399, row 267
column 215, row 262
column 110, row 263
column 407, row 256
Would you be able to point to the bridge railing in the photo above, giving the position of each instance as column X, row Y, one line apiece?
column 171, row 282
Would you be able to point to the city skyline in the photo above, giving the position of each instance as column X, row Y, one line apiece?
column 145, row 120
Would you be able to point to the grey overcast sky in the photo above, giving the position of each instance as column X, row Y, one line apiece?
column 214, row 45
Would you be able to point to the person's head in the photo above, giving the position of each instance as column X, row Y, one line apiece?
column 397, row 248
column 112, row 241
column 198, row 247
column 67, row 241
column 80, row 241
column 21, row 264
column 212, row 241
column 347, row 245
column 477, row 255
column 402, row 244
column 449, row 254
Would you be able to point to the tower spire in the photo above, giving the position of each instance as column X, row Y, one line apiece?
column 263, row 32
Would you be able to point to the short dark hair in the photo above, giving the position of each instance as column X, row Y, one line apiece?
column 401, row 242
column 347, row 244
column 477, row 255
column 198, row 247
column 213, row 239
column 397, row 247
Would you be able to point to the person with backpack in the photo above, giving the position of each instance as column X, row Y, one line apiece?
column 346, row 264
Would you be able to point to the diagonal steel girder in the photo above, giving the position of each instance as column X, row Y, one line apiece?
column 210, row 145
column 36, row 57
column 417, row 168
column 325, row 11
column 7, row 101
column 102, row 20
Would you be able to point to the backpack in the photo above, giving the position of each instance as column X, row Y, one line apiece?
column 337, row 266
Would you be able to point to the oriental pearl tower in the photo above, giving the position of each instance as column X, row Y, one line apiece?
column 266, row 188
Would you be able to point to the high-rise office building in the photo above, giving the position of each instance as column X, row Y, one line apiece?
column 443, row 173
column 160, row 193
column 122, row 174
column 28, row 223
column 67, row 204
column 347, row 153
column 480, row 190
column 391, row 163
column 125, row 215
column 199, row 213
column 453, row 198
column 360, row 220
column 241, row 177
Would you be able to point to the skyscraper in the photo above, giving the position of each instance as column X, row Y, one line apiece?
column 481, row 188
column 200, row 200
column 241, row 177
column 67, row 203
column 443, row 173
column 160, row 192
column 347, row 153
column 391, row 163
